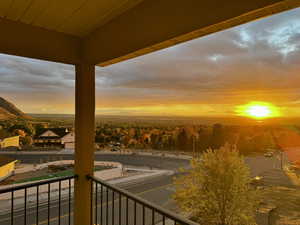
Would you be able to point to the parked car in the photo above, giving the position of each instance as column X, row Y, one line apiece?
column 257, row 181
column 115, row 148
column 269, row 154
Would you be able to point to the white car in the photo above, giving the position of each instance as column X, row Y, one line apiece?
column 257, row 181
column 268, row 154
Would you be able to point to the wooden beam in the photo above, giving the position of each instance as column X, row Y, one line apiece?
column 156, row 24
column 29, row 41
column 84, row 141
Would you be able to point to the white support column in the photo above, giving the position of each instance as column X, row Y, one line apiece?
column 84, row 141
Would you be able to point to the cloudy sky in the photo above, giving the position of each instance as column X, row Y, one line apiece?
column 210, row 76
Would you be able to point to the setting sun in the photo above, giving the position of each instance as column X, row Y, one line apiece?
column 258, row 110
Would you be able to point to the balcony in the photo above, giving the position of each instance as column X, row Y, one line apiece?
column 51, row 202
column 72, row 32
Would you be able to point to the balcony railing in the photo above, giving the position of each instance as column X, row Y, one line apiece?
column 37, row 202
column 51, row 202
column 115, row 206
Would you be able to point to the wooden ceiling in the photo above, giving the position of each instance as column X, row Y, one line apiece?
column 103, row 32
column 75, row 17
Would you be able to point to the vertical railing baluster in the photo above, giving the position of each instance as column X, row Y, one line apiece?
column 101, row 210
column 106, row 205
column 153, row 217
column 140, row 208
column 134, row 215
column 12, row 209
column 37, row 204
column 25, row 206
column 32, row 211
column 143, row 215
column 70, row 196
column 59, row 201
column 113, row 209
column 48, row 205
column 126, row 210
column 96, row 204
column 120, row 208
column 91, row 216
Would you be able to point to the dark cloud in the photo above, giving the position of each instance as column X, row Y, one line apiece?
column 35, row 84
column 255, row 61
column 259, row 56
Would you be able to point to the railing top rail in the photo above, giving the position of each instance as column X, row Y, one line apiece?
column 34, row 184
column 165, row 212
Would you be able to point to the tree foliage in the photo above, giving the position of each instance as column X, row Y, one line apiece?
column 217, row 138
column 26, row 141
column 217, row 189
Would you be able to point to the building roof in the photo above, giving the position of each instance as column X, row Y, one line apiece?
column 60, row 132
column 5, row 160
column 48, row 138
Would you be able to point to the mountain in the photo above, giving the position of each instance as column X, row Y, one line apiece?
column 10, row 111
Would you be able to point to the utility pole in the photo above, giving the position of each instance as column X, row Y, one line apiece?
column 281, row 160
column 194, row 149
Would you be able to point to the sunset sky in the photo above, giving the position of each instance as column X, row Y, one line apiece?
column 210, row 76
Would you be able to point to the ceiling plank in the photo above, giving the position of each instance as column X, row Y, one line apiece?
column 4, row 7
column 94, row 14
column 156, row 24
column 35, row 10
column 29, row 41
column 57, row 14
column 17, row 9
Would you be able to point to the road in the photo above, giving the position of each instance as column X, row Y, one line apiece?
column 131, row 160
column 268, row 167
column 158, row 190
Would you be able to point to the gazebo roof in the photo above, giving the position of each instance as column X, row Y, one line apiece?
column 108, row 31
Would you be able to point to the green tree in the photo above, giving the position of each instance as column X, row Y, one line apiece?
column 203, row 139
column 4, row 134
column 27, row 127
column 100, row 138
column 182, row 140
column 39, row 127
column 217, row 189
column 217, row 138
column 26, row 141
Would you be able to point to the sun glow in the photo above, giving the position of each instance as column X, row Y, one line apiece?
column 258, row 110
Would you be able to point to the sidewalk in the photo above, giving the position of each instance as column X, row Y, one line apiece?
column 294, row 178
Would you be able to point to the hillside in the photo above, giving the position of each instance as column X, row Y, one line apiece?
column 10, row 111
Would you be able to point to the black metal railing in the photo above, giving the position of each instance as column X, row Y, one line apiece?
column 51, row 202
column 37, row 202
column 114, row 206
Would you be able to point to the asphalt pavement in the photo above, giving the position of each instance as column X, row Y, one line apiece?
column 156, row 190
column 270, row 169
column 267, row 167
column 147, row 161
